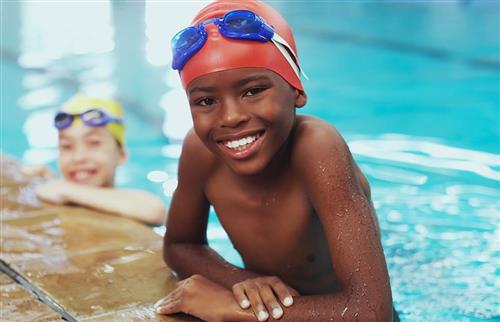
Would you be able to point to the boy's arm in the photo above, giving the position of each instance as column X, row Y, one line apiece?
column 341, row 197
column 38, row 170
column 336, row 190
column 331, row 179
column 135, row 204
column 186, row 249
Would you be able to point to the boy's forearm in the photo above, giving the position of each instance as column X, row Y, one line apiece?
column 336, row 307
column 136, row 205
column 189, row 259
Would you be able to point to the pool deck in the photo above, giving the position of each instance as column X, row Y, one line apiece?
column 72, row 262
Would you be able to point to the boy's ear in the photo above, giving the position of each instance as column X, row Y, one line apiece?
column 300, row 98
column 123, row 156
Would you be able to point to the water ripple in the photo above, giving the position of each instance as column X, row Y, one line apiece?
column 428, row 154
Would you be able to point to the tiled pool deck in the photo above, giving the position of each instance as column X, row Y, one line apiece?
column 82, row 264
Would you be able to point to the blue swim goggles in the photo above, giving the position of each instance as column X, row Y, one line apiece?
column 94, row 118
column 236, row 24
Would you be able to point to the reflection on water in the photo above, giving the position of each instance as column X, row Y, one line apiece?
column 408, row 150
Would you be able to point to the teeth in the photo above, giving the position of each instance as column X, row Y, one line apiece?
column 239, row 144
column 82, row 175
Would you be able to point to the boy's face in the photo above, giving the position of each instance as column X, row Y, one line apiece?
column 89, row 155
column 244, row 116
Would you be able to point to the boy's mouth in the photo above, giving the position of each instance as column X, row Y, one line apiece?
column 242, row 147
column 82, row 175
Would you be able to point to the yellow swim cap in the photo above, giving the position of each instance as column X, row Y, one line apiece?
column 81, row 103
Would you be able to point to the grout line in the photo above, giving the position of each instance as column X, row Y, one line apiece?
column 36, row 291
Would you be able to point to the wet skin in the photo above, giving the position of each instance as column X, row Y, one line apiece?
column 291, row 199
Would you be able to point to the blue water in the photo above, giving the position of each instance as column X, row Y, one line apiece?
column 413, row 87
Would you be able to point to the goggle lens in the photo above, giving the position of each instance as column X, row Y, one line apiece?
column 186, row 38
column 241, row 21
column 94, row 118
column 63, row 120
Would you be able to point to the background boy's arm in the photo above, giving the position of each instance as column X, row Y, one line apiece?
column 136, row 204
column 38, row 170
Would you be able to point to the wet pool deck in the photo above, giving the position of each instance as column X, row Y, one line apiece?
column 82, row 264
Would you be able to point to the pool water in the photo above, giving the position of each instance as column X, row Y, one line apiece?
column 413, row 87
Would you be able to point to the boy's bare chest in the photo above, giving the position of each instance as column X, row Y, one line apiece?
column 273, row 227
column 259, row 208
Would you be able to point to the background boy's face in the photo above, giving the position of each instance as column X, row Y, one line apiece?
column 89, row 155
column 243, row 115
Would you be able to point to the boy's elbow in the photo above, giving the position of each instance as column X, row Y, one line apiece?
column 167, row 251
column 157, row 213
column 376, row 308
column 381, row 313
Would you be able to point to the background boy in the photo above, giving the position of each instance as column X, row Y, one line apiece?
column 285, row 187
column 91, row 147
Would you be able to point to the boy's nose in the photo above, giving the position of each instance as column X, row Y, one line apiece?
column 233, row 115
column 79, row 155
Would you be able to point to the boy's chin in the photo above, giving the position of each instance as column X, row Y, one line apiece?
column 246, row 168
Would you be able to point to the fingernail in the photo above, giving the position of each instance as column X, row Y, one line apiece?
column 245, row 304
column 158, row 309
column 263, row 316
column 277, row 312
column 288, row 301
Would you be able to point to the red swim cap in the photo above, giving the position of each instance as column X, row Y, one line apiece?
column 220, row 53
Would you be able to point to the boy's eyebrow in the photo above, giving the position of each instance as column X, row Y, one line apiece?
column 244, row 81
column 238, row 84
column 201, row 89
column 93, row 133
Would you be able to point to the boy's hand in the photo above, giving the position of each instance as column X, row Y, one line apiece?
column 38, row 170
column 53, row 191
column 264, row 292
column 199, row 297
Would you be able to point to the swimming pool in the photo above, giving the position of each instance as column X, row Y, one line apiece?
column 413, row 87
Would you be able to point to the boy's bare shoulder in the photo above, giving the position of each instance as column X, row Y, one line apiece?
column 313, row 134
column 319, row 150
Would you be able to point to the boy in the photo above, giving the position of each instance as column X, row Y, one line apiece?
column 91, row 146
column 284, row 187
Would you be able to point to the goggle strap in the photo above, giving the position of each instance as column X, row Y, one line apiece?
column 280, row 42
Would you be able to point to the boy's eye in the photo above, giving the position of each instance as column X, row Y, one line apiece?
column 206, row 101
column 94, row 143
column 254, row 91
column 64, row 147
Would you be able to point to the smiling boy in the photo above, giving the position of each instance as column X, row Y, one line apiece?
column 91, row 147
column 285, row 187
